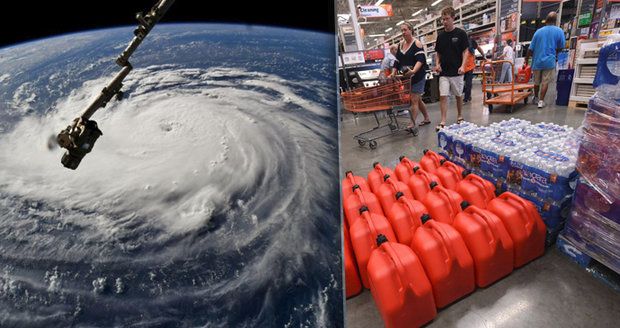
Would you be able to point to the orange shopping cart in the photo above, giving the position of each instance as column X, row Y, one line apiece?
column 391, row 98
column 508, row 94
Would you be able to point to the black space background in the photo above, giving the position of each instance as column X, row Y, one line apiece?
column 23, row 20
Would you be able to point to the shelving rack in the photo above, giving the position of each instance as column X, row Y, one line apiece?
column 586, row 57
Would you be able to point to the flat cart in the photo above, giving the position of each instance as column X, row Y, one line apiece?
column 496, row 93
column 391, row 98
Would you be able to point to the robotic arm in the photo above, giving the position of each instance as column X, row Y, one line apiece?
column 80, row 136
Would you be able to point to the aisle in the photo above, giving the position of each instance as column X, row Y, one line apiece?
column 552, row 291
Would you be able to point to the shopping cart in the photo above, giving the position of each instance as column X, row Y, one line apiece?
column 495, row 93
column 392, row 97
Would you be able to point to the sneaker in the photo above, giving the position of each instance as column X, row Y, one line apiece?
column 535, row 100
column 541, row 104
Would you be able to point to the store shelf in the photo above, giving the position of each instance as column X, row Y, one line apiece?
column 580, row 99
column 583, row 80
column 481, row 28
column 476, row 14
column 584, row 61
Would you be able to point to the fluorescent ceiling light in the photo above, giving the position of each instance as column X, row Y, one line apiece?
column 436, row 3
column 417, row 13
column 388, row 29
column 375, row 35
column 400, row 22
column 378, row 2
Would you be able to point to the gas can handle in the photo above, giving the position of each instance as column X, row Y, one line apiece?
column 452, row 167
column 392, row 184
column 480, row 181
column 407, row 204
column 371, row 226
column 409, row 163
column 400, row 269
column 489, row 226
column 529, row 224
column 444, row 192
column 445, row 245
column 358, row 192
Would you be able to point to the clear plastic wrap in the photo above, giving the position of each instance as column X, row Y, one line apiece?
column 594, row 223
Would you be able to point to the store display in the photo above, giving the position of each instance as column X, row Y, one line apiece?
column 388, row 190
column 376, row 176
column 420, row 183
column 357, row 200
column 353, row 284
column 431, row 161
column 446, row 261
column 594, row 223
column 475, row 190
column 405, row 217
column 449, row 174
column 399, row 285
column 443, row 204
column 404, row 169
column 350, row 181
column 524, row 225
column 363, row 234
column 488, row 242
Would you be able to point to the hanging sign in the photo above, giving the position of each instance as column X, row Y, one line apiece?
column 382, row 10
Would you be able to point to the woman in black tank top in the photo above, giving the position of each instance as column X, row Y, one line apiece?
column 412, row 61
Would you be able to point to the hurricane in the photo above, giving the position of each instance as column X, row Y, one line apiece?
column 210, row 200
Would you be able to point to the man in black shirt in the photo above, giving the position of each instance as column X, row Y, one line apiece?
column 451, row 48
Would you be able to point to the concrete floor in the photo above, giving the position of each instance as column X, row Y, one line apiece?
column 551, row 291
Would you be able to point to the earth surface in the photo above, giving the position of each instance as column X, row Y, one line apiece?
column 210, row 200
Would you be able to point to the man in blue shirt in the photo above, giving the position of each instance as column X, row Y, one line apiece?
column 546, row 44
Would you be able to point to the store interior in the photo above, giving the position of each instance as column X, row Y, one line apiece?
column 575, row 281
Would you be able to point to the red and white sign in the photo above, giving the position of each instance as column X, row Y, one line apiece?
column 376, row 54
column 382, row 10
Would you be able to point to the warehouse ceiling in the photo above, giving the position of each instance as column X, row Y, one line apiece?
column 402, row 10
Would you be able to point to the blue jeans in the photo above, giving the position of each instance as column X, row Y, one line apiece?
column 469, row 76
column 506, row 75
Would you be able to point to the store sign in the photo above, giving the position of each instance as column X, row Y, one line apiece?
column 374, row 55
column 383, row 10
column 352, row 58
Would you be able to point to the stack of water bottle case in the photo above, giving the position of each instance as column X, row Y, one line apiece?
column 534, row 161
column 427, row 233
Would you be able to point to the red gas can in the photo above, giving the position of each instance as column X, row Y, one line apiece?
column 398, row 284
column 419, row 183
column 449, row 174
column 364, row 233
column 375, row 177
column 351, row 275
column 387, row 192
column 476, row 190
column 524, row 225
column 355, row 201
column 442, row 204
column 524, row 74
column 404, row 217
column 404, row 169
column 446, row 261
column 488, row 243
column 351, row 181
column 430, row 161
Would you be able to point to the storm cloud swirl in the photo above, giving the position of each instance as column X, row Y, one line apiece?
column 209, row 200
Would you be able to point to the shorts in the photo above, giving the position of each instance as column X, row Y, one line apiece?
column 418, row 87
column 451, row 83
column 546, row 75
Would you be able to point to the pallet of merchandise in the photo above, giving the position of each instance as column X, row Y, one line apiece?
column 590, row 264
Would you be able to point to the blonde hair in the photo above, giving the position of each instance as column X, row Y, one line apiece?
column 409, row 25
